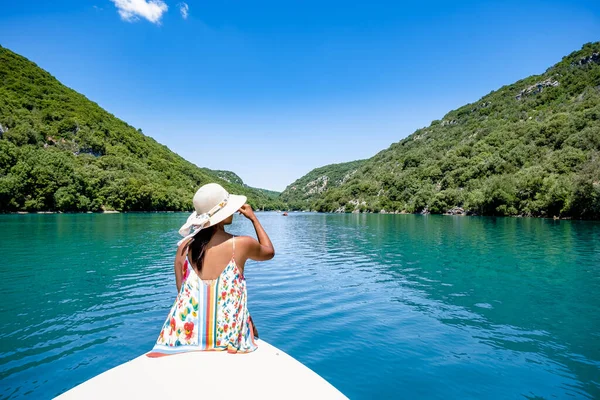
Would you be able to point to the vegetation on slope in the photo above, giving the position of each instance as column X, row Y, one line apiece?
column 531, row 148
column 303, row 192
column 61, row 152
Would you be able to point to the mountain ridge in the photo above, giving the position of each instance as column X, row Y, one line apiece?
column 60, row 151
column 529, row 148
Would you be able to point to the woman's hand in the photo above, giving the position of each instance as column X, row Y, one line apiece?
column 247, row 212
column 260, row 250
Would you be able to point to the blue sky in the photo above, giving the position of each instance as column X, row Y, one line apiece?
column 273, row 89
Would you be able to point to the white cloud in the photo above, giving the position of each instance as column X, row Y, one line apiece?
column 183, row 9
column 132, row 10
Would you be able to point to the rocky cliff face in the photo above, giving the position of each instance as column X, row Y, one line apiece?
column 592, row 58
column 537, row 88
column 317, row 183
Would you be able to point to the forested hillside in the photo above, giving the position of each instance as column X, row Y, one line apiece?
column 60, row 151
column 304, row 191
column 531, row 148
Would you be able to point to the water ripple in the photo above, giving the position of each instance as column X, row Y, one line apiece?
column 439, row 307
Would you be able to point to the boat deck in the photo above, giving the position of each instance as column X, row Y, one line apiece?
column 266, row 373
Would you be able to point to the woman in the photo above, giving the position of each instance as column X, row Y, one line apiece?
column 211, row 312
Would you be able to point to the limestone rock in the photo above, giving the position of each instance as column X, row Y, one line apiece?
column 451, row 122
column 594, row 57
column 456, row 211
column 537, row 88
column 317, row 186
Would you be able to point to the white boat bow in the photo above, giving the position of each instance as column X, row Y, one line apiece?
column 266, row 373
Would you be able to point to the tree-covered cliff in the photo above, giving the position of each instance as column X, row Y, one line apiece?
column 60, row 151
column 304, row 191
column 531, row 148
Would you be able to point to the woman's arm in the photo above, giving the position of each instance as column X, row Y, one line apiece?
column 262, row 249
column 178, row 265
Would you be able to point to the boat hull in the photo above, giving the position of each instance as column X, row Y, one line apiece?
column 266, row 373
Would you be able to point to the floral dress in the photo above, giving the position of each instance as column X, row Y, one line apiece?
column 208, row 316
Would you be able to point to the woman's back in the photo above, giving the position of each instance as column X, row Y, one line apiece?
column 219, row 252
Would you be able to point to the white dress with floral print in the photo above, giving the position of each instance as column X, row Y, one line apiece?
column 208, row 316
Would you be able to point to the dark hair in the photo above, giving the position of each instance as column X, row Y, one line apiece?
column 198, row 245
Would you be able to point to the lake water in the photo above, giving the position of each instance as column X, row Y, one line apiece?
column 402, row 306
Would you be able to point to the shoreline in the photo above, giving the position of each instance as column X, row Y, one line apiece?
column 554, row 218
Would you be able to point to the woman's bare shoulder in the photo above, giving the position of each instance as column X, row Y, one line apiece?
column 244, row 239
column 245, row 242
column 183, row 248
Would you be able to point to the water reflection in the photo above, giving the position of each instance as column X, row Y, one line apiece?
column 510, row 284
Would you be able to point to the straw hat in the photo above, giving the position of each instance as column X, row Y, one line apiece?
column 212, row 204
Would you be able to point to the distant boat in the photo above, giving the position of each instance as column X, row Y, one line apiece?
column 278, row 211
column 285, row 214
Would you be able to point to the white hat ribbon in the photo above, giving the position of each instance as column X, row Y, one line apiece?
column 194, row 221
column 198, row 221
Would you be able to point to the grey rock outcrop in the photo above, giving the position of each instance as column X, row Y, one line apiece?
column 451, row 122
column 456, row 211
column 537, row 88
column 594, row 57
column 317, row 186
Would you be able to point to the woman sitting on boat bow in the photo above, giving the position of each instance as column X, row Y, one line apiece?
column 211, row 310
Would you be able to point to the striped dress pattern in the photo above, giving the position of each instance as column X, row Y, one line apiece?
column 208, row 316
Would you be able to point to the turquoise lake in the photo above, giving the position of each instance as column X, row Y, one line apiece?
column 382, row 306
